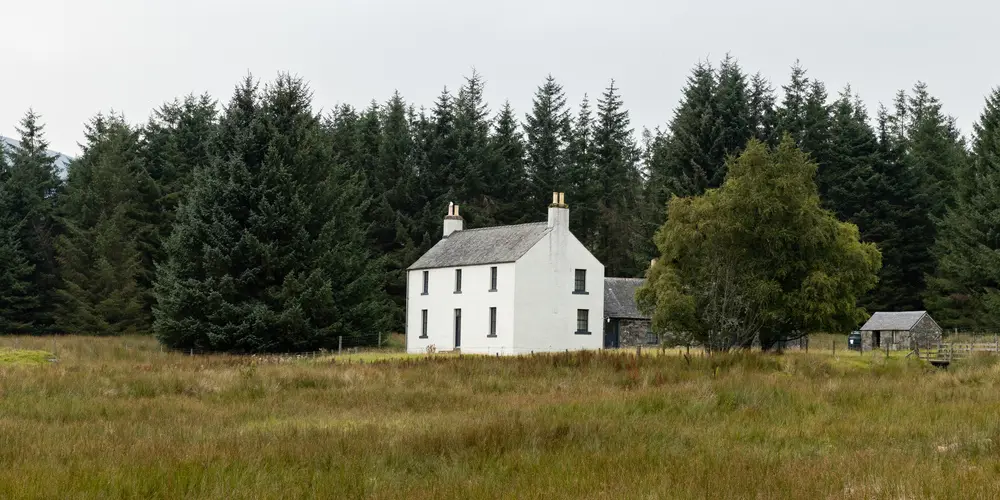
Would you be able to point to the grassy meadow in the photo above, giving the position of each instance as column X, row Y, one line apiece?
column 119, row 418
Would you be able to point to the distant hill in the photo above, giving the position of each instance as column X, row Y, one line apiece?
column 62, row 161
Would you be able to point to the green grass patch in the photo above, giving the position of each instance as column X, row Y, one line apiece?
column 23, row 357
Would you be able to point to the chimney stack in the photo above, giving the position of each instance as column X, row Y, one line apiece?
column 453, row 222
column 559, row 211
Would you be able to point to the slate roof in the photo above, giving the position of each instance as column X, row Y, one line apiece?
column 619, row 298
column 897, row 321
column 488, row 245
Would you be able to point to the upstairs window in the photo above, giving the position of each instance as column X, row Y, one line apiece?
column 427, row 276
column 580, row 283
column 493, row 279
column 582, row 321
column 458, row 281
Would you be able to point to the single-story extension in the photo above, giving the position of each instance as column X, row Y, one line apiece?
column 900, row 330
column 624, row 325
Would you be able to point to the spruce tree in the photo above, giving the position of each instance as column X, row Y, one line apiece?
column 32, row 185
column 17, row 296
column 965, row 290
column 270, row 250
column 692, row 158
column 177, row 139
column 100, row 262
column 505, row 177
column 852, row 155
column 734, row 111
column 548, row 134
column 899, row 225
column 394, row 202
column 472, row 153
column 619, row 185
column 763, row 114
column 581, row 176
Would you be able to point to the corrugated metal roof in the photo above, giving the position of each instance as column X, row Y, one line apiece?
column 488, row 245
column 898, row 321
column 619, row 298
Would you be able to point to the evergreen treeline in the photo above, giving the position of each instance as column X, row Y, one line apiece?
column 262, row 224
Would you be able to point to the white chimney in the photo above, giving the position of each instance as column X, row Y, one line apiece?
column 453, row 222
column 559, row 211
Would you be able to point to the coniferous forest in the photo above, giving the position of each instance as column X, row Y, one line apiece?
column 254, row 222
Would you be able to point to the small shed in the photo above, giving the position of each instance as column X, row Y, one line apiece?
column 900, row 330
column 624, row 324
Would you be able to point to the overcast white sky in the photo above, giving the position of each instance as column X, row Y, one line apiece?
column 69, row 59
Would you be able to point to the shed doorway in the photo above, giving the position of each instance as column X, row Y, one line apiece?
column 876, row 339
column 611, row 334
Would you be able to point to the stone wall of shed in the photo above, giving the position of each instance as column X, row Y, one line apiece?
column 926, row 332
column 633, row 332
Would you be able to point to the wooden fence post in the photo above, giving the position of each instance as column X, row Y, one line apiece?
column 833, row 347
column 340, row 344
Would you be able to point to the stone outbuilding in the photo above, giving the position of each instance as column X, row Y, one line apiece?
column 624, row 325
column 900, row 330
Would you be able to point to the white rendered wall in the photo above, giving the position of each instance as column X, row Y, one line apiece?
column 545, row 303
column 475, row 302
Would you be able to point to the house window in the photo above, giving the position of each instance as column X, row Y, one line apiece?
column 652, row 338
column 427, row 276
column 582, row 320
column 458, row 281
column 423, row 324
column 493, row 279
column 580, row 284
column 493, row 322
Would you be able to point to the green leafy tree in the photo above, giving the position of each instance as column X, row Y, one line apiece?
column 100, row 261
column 270, row 252
column 758, row 258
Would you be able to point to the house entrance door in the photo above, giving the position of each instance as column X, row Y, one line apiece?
column 458, row 328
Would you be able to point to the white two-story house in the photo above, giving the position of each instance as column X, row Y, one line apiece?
column 506, row 290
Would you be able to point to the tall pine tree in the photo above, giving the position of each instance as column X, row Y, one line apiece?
column 100, row 261
column 548, row 135
column 269, row 252
column 619, row 185
column 965, row 290
column 17, row 296
column 32, row 184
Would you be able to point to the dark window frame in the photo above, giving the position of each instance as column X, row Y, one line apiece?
column 458, row 281
column 423, row 323
column 493, row 323
column 427, row 279
column 580, row 282
column 493, row 279
column 583, row 320
column 652, row 338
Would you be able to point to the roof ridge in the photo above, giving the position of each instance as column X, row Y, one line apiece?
column 501, row 227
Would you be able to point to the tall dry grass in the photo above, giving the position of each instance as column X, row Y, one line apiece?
column 117, row 418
